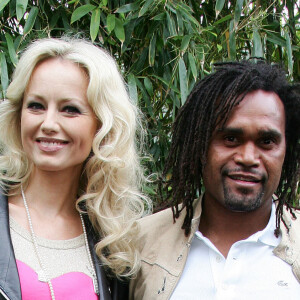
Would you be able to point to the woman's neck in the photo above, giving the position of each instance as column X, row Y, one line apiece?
column 51, row 198
column 53, row 192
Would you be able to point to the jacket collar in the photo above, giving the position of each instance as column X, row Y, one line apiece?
column 9, row 277
column 101, row 278
column 288, row 249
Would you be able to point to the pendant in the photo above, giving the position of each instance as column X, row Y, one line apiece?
column 42, row 276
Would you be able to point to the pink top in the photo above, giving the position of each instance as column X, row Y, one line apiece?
column 73, row 285
column 66, row 263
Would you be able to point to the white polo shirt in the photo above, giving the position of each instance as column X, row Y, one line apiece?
column 250, row 271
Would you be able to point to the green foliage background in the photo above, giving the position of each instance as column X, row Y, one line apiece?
column 161, row 46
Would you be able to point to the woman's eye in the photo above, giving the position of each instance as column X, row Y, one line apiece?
column 35, row 106
column 71, row 110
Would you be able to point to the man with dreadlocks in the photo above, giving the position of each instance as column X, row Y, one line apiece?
column 236, row 150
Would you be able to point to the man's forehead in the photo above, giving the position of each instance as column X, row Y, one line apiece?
column 259, row 102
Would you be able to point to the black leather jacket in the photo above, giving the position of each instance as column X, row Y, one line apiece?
column 9, row 277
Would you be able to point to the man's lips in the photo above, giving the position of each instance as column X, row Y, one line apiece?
column 244, row 179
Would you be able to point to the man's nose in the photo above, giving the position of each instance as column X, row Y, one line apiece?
column 248, row 155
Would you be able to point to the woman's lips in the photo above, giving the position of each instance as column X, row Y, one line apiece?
column 50, row 145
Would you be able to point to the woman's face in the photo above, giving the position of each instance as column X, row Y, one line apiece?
column 57, row 123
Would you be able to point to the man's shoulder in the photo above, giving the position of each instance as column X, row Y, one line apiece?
column 160, row 229
column 158, row 224
column 163, row 217
column 291, row 221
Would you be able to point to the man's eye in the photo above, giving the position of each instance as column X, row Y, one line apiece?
column 71, row 110
column 230, row 139
column 35, row 106
column 268, row 141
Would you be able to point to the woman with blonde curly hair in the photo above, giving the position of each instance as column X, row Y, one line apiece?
column 69, row 175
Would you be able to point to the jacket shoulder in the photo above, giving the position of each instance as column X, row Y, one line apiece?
column 153, row 223
column 292, row 222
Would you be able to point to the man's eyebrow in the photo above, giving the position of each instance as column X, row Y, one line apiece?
column 261, row 133
column 270, row 133
column 230, row 130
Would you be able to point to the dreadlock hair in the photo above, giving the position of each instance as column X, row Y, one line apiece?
column 208, row 106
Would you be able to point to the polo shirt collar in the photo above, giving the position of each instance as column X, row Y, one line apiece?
column 267, row 236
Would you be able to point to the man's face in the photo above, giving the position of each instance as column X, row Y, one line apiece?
column 245, row 157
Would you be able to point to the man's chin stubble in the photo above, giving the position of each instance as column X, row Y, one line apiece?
column 244, row 202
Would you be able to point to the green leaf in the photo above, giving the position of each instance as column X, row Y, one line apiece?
column 30, row 20
column 159, row 17
column 180, row 23
column 145, row 7
column 132, row 88
column 138, row 65
column 188, row 16
column 145, row 98
column 193, row 65
column 128, row 8
column 237, row 11
column 171, row 25
column 119, row 30
column 18, row 41
column 232, row 42
column 152, row 50
column 289, row 53
column 219, row 6
column 3, row 3
column 276, row 39
column 110, row 22
column 224, row 19
column 149, row 191
column 95, row 23
column 257, row 46
column 4, row 73
column 185, row 42
column 21, row 6
column 148, row 86
column 54, row 20
column 167, row 83
column 81, row 11
column 183, row 81
column 11, row 49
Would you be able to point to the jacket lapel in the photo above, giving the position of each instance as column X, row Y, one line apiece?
column 9, row 277
column 104, row 292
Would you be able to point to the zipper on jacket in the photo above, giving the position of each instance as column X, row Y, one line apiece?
column 4, row 295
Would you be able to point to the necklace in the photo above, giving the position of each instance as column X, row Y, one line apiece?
column 36, row 249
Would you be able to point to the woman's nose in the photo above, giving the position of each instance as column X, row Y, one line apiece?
column 50, row 122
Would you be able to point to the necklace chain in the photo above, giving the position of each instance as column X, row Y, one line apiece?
column 36, row 249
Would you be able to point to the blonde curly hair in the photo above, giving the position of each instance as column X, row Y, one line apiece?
column 109, row 186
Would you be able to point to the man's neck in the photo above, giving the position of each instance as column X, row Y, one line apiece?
column 224, row 227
